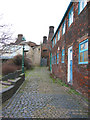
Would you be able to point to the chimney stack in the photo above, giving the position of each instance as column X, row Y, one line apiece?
column 19, row 39
column 51, row 29
column 51, row 33
column 44, row 39
column 20, row 36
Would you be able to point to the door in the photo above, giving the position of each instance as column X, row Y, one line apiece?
column 70, row 73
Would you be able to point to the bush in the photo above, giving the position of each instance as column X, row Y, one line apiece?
column 17, row 60
column 9, row 67
column 28, row 63
column 6, row 69
column 14, row 64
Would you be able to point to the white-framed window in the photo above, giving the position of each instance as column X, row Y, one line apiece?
column 52, row 43
column 81, row 5
column 70, row 19
column 83, row 52
column 52, row 60
column 63, row 28
column 57, row 58
column 63, row 55
column 55, row 39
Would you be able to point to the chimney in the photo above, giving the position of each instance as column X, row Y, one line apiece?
column 45, row 39
column 19, row 39
column 51, row 30
column 51, row 33
column 20, row 36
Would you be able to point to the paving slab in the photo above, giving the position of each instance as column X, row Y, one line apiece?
column 39, row 97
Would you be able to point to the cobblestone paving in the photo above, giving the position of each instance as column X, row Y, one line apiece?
column 39, row 97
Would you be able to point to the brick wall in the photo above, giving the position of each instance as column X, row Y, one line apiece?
column 75, row 33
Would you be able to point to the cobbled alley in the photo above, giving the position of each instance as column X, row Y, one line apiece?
column 40, row 97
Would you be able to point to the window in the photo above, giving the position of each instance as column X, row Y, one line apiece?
column 55, row 39
column 57, row 58
column 81, row 5
column 70, row 20
column 52, row 60
column 44, row 51
column 63, row 28
column 63, row 54
column 83, row 52
column 52, row 43
column 58, row 35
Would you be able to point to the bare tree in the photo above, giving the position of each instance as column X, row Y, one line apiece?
column 5, row 35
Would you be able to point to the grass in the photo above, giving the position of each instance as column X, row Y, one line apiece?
column 5, row 82
column 54, row 81
column 12, row 79
column 5, row 86
column 73, row 91
column 0, row 76
column 61, row 83
column 26, row 73
column 69, row 90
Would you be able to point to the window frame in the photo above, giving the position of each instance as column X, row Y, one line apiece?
column 70, row 20
column 55, row 59
column 63, row 27
column 52, row 43
column 58, row 58
column 82, row 51
column 81, row 5
column 55, row 40
column 63, row 54
column 52, row 60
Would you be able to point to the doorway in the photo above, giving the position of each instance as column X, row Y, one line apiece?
column 70, row 73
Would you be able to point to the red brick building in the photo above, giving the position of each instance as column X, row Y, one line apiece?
column 45, row 47
column 70, row 46
column 44, row 52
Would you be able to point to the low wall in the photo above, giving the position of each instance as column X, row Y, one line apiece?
column 8, row 92
column 11, row 75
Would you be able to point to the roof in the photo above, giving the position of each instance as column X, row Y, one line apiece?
column 62, row 19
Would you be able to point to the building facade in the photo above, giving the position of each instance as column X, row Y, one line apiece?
column 46, row 48
column 31, row 51
column 34, row 53
column 70, row 46
column 44, row 52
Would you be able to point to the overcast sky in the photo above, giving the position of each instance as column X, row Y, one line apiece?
column 32, row 18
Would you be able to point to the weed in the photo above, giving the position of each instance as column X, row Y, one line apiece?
column 60, row 82
column 53, row 79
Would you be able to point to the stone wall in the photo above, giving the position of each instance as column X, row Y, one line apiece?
column 11, row 90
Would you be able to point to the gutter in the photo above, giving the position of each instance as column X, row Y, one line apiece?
column 62, row 19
